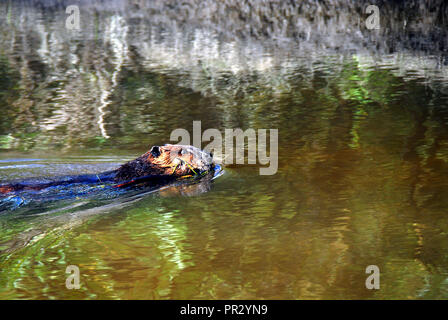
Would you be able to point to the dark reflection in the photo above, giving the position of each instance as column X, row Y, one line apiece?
column 363, row 150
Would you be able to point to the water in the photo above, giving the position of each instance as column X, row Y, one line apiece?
column 362, row 176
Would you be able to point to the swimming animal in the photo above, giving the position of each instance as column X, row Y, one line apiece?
column 160, row 166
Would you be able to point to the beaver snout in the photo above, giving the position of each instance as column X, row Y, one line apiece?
column 205, row 161
column 189, row 157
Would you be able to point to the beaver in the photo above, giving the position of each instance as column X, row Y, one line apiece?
column 175, row 161
column 172, row 170
column 160, row 165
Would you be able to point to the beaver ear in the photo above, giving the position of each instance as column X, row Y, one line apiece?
column 155, row 151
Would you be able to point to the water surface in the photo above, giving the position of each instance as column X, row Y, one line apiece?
column 362, row 177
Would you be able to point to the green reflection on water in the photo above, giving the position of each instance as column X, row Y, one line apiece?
column 362, row 180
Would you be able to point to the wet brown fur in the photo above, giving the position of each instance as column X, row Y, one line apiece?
column 168, row 160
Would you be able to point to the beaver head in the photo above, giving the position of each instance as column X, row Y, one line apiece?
column 168, row 160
